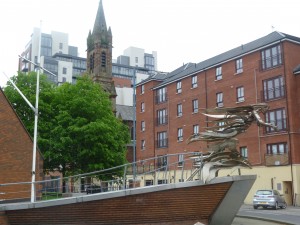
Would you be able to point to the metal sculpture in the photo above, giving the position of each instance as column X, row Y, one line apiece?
column 222, row 151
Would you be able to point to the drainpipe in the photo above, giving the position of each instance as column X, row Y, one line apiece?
column 288, row 122
column 258, row 129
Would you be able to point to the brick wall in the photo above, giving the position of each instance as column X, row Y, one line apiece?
column 16, row 148
column 179, row 206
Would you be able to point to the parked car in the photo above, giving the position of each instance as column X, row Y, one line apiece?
column 92, row 189
column 268, row 198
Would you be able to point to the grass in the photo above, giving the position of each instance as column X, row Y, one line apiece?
column 51, row 195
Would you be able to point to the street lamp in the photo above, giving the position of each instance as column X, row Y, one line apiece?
column 36, row 112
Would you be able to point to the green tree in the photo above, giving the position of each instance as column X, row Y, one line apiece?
column 27, row 84
column 78, row 132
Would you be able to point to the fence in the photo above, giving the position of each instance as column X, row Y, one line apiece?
column 159, row 170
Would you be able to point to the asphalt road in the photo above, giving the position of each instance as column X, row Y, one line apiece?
column 247, row 221
column 248, row 216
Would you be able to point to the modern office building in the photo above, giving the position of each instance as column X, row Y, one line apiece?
column 266, row 70
column 137, row 57
column 57, row 56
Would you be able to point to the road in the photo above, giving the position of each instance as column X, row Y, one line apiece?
column 290, row 215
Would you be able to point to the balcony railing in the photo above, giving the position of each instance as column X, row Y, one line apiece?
column 273, row 93
column 161, row 98
column 277, row 159
column 162, row 143
column 271, row 62
column 163, row 120
column 281, row 126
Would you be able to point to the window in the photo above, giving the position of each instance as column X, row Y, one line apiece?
column 179, row 110
column 277, row 148
column 178, row 87
column 244, row 152
column 273, row 88
column 195, row 105
column 219, row 73
column 196, row 129
column 92, row 60
column 180, row 134
column 143, row 126
column 278, row 118
column 194, row 81
column 60, row 46
column 162, row 161
column 143, row 107
column 148, row 182
column 180, row 159
column 240, row 94
column 103, row 59
column 221, row 125
column 161, row 95
column 271, row 57
column 162, row 140
column 220, row 99
column 142, row 89
column 64, row 70
column 136, row 60
column 239, row 65
column 64, row 79
column 162, row 117
column 143, row 144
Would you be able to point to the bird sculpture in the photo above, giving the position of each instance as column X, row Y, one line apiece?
column 222, row 142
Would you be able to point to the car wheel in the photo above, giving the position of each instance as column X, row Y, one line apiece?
column 283, row 206
column 255, row 207
column 276, row 206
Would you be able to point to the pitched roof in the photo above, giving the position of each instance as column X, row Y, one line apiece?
column 125, row 112
column 190, row 69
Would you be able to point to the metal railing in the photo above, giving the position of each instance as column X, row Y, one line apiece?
column 130, row 175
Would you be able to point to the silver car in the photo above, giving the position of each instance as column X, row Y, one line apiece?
column 268, row 198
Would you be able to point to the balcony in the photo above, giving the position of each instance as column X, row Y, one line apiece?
column 277, row 159
column 161, row 98
column 162, row 143
column 162, row 120
column 281, row 126
column 273, row 93
column 270, row 62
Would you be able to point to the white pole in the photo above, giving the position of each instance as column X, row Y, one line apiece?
column 36, row 114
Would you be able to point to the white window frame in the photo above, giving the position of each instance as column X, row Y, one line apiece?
column 143, row 125
column 219, row 73
column 240, row 92
column 180, row 134
column 196, row 129
column 178, row 87
column 143, row 107
column 239, row 65
column 220, row 102
column 179, row 110
column 195, row 105
column 194, row 81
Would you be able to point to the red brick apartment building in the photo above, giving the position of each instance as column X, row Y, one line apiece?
column 266, row 70
column 16, row 147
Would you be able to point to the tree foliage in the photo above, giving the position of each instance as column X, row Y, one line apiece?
column 78, row 132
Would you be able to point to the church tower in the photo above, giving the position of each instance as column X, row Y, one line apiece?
column 99, row 55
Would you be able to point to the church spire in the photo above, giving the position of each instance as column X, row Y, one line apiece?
column 100, row 23
column 99, row 55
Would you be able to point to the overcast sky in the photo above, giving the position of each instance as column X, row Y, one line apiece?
column 181, row 31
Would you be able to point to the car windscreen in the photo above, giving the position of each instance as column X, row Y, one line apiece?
column 264, row 192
